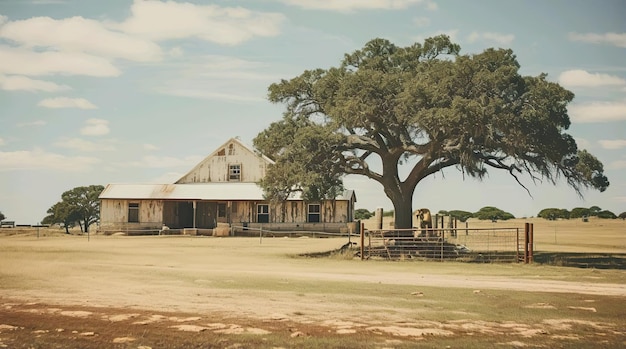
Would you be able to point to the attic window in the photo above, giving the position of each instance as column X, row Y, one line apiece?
column 234, row 172
column 222, row 152
column 231, row 149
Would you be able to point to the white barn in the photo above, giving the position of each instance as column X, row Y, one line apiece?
column 220, row 190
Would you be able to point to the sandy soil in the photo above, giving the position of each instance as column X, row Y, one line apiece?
column 217, row 286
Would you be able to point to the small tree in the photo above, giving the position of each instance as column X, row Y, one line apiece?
column 606, row 214
column 579, row 212
column 461, row 215
column 78, row 206
column 493, row 213
column 2, row 217
column 362, row 213
column 594, row 210
column 622, row 215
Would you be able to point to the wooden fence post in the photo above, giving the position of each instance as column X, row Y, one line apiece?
column 362, row 241
column 531, row 234
column 526, row 237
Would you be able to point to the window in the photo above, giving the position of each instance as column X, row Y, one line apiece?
column 221, row 210
column 133, row 212
column 314, row 213
column 234, row 172
column 263, row 213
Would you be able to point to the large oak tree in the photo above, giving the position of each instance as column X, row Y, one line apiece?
column 424, row 105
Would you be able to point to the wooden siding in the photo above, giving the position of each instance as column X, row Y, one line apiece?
column 179, row 214
column 215, row 168
column 114, row 213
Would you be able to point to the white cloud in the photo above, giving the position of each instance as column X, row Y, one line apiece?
column 498, row 38
column 614, row 39
column 175, row 52
column 23, row 83
column 66, row 102
column 83, row 145
column 40, row 159
column 158, row 20
column 148, row 146
column 78, row 34
column 598, row 112
column 352, row 5
column 583, row 78
column 22, row 61
column 36, row 123
column 613, row 143
column 217, row 77
column 95, row 127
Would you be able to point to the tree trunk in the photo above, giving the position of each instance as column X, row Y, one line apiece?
column 403, row 212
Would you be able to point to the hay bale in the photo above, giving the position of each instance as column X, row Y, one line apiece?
column 222, row 229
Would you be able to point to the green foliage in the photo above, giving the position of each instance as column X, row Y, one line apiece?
column 493, row 213
column 77, row 206
column 606, row 214
column 622, row 215
column 362, row 213
column 461, row 215
column 580, row 212
column 427, row 106
column 458, row 214
column 2, row 216
column 554, row 213
column 594, row 210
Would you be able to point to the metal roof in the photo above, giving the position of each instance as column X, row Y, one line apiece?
column 194, row 191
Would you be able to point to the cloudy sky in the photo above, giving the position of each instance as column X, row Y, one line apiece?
column 121, row 91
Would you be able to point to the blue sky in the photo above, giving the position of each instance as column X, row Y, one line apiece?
column 97, row 92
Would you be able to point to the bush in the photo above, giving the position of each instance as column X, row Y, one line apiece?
column 606, row 214
column 362, row 213
column 493, row 213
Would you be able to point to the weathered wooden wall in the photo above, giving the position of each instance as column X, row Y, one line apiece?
column 215, row 167
column 114, row 213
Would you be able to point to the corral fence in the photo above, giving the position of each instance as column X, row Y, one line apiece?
column 449, row 244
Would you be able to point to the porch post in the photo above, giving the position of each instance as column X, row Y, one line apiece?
column 194, row 214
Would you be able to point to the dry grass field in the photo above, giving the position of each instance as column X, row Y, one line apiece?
column 71, row 291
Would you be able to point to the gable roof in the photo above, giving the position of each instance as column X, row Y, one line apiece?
column 220, row 148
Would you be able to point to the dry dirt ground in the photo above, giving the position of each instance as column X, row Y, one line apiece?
column 60, row 291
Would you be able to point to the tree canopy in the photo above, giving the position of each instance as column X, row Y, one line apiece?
column 2, row 217
column 427, row 107
column 77, row 206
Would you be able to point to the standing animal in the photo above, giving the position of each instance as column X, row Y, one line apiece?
column 426, row 221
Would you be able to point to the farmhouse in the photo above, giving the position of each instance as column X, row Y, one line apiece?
column 220, row 191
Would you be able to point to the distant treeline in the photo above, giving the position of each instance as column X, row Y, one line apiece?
column 494, row 213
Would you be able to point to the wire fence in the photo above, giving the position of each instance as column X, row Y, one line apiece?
column 470, row 245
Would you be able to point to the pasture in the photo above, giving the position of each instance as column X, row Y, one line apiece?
column 68, row 291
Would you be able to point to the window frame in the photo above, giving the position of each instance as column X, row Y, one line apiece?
column 265, row 214
column 133, row 212
column 312, row 213
column 234, row 172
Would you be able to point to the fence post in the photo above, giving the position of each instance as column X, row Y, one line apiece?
column 526, row 238
column 362, row 241
column 516, row 245
column 531, row 234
